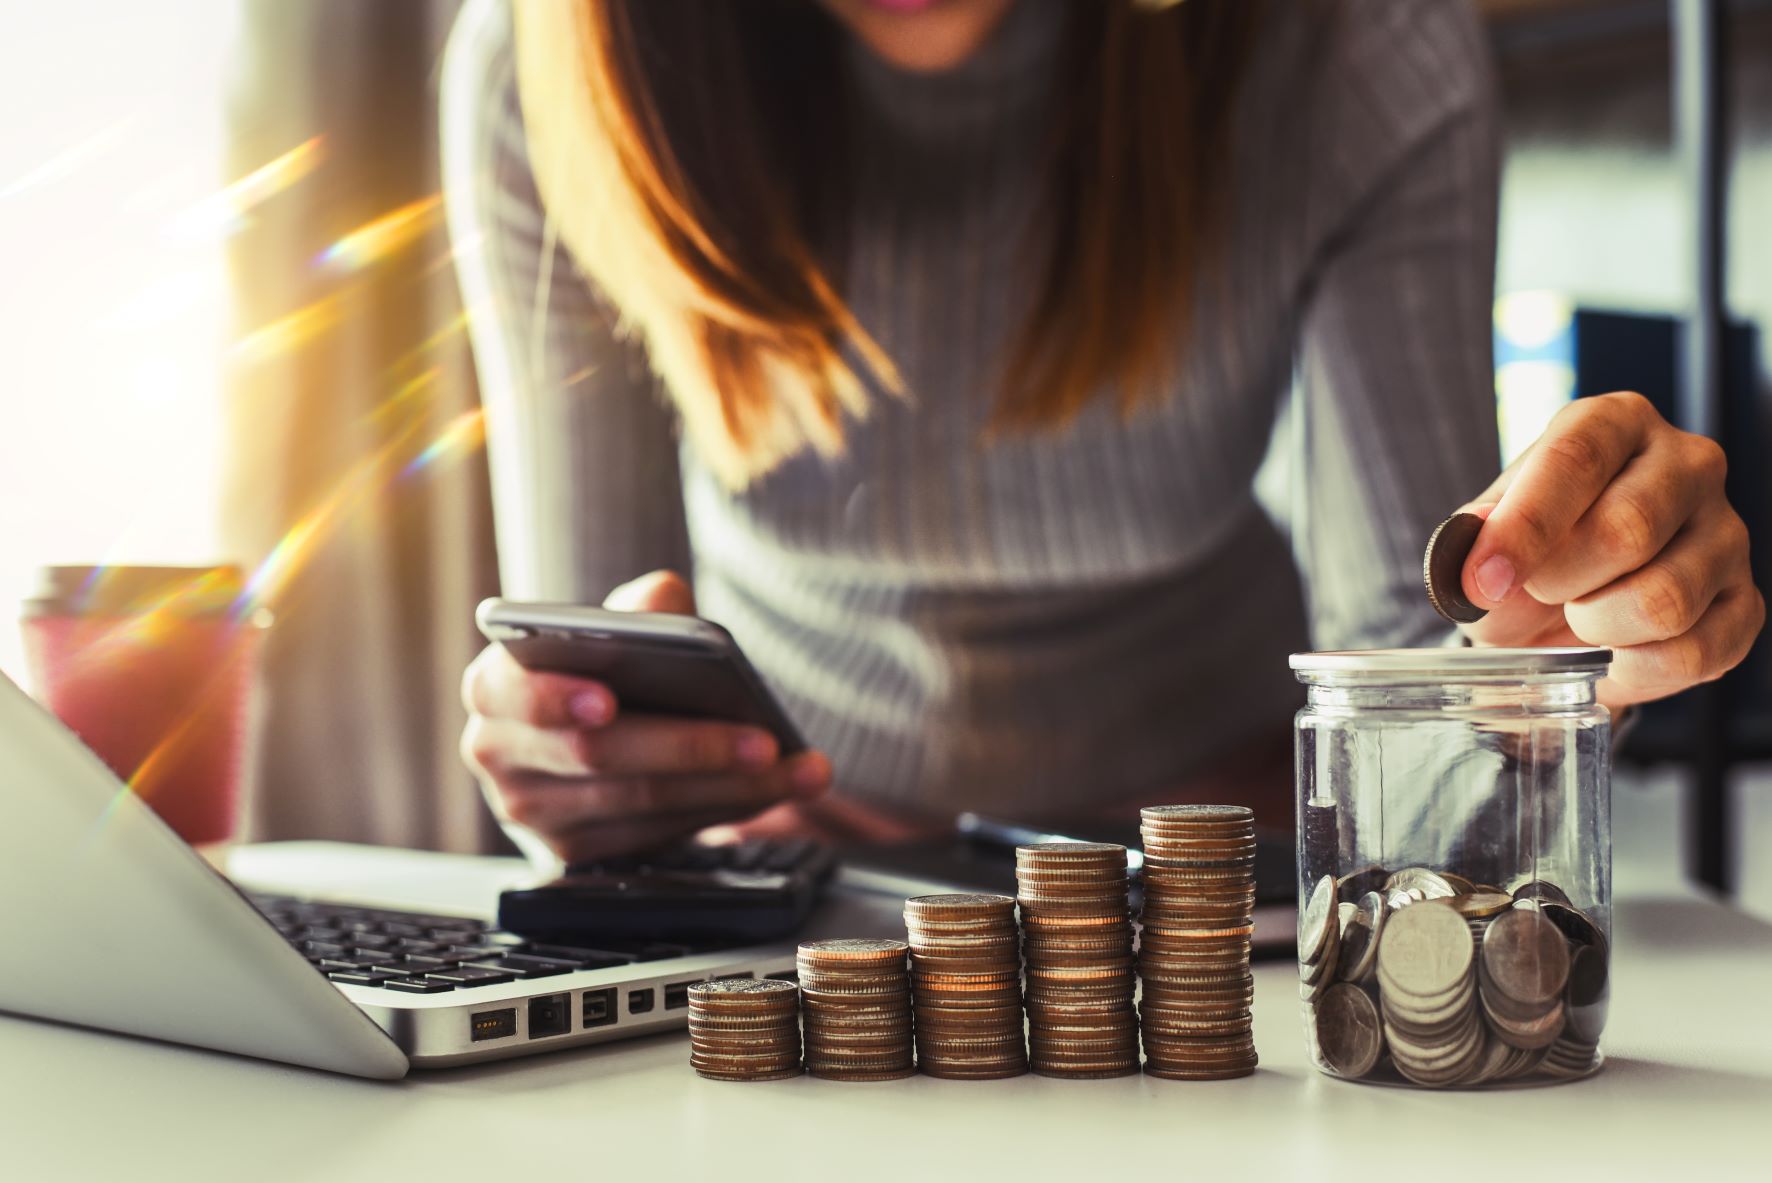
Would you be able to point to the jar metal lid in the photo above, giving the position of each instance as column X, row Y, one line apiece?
column 1455, row 662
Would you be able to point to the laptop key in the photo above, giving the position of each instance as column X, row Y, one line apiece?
column 527, row 967
column 362, row 977
column 418, row 986
column 469, row 975
column 416, row 966
column 582, row 958
column 409, row 945
column 343, row 963
column 472, row 952
column 322, row 949
column 374, row 940
column 455, row 936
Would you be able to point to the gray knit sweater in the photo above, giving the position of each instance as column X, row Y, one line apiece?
column 1034, row 624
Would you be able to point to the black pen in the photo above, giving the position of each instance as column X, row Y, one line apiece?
column 1005, row 835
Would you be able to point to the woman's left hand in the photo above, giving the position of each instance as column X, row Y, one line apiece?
column 1612, row 529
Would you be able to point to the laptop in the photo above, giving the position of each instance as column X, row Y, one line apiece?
column 111, row 921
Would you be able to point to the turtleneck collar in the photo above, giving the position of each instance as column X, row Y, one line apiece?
column 1003, row 80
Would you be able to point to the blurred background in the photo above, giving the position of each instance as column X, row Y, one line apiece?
column 233, row 334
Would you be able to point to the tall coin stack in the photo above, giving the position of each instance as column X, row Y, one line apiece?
column 966, row 986
column 1075, row 921
column 744, row 1029
column 857, row 1003
column 1193, row 961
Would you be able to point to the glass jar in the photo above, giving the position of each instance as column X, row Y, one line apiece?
column 1454, row 864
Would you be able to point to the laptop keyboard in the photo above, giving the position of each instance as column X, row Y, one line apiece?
column 414, row 953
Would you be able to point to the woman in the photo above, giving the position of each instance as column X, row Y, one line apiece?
column 941, row 340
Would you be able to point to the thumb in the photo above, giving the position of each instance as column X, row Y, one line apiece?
column 656, row 591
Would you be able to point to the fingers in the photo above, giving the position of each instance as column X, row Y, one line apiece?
column 1707, row 650
column 1626, row 527
column 497, row 687
column 635, row 745
column 1671, row 592
column 558, row 806
column 1551, row 489
column 656, row 591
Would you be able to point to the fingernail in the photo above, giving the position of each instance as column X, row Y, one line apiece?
column 591, row 706
column 811, row 772
column 1495, row 577
column 756, row 748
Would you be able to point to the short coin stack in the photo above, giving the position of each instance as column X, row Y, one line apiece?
column 1523, row 968
column 1076, row 925
column 857, row 1001
column 744, row 1029
column 1427, row 984
column 966, row 986
column 1193, row 961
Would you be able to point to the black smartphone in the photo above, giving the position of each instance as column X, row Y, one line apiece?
column 655, row 663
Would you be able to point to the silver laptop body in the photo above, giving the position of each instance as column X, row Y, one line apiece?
column 109, row 920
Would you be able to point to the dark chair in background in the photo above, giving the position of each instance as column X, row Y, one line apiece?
column 1716, row 727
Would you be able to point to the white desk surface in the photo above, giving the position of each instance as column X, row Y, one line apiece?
column 1686, row 1095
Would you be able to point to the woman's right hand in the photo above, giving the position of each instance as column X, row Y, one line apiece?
column 555, row 754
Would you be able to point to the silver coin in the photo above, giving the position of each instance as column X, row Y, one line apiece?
column 1358, row 956
column 1431, row 885
column 1314, row 920
column 1350, row 1038
column 1426, row 952
column 1526, row 957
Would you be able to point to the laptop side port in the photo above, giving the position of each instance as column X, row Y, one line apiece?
column 599, row 1008
column 492, row 1024
column 550, row 1014
column 676, row 995
column 639, row 1001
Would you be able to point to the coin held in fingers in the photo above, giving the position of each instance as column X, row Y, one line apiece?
column 1442, row 568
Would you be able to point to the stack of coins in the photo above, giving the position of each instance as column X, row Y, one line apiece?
column 1193, row 960
column 1427, row 984
column 966, row 986
column 1321, row 837
column 1523, row 972
column 744, row 1029
column 1077, row 931
column 857, row 1001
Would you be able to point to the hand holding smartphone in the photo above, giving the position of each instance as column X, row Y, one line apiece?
column 606, row 732
column 658, row 663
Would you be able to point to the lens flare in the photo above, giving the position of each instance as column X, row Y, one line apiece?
column 368, row 477
column 70, row 159
column 409, row 392
column 289, row 332
column 224, row 212
column 377, row 240
column 465, row 433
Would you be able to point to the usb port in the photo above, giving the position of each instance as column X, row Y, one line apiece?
column 599, row 1007
column 639, row 1001
column 677, row 994
column 550, row 1014
column 493, row 1024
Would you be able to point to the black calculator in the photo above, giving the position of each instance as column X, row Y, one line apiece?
column 692, row 893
